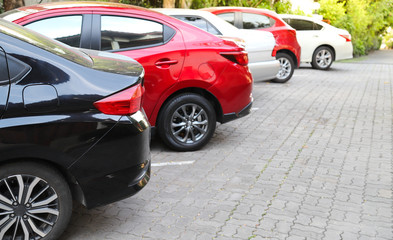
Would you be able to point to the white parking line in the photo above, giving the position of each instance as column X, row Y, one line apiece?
column 171, row 163
column 254, row 109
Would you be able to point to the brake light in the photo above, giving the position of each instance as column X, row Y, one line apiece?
column 238, row 41
column 125, row 102
column 240, row 58
column 346, row 36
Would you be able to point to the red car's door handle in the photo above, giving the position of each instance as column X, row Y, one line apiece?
column 165, row 63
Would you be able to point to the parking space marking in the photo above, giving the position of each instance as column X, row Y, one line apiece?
column 172, row 163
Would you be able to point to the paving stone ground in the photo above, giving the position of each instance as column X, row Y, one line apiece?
column 312, row 161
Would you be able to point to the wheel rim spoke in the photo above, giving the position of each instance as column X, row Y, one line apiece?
column 186, row 135
column 9, row 189
column 4, row 220
column 35, row 229
column 25, row 230
column 40, row 219
column 21, row 188
column 44, row 210
column 4, row 207
column 192, row 136
column 179, row 131
column 183, row 108
column 181, row 124
column 6, row 227
column 45, row 202
column 16, row 227
column 193, row 110
column 199, row 114
column 39, row 194
column 177, row 114
column 201, row 130
column 30, row 189
column 204, row 123
column 5, row 213
column 5, row 200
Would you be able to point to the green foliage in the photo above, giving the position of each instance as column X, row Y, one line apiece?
column 388, row 39
column 282, row 6
column 366, row 20
column 140, row 3
column 298, row 11
column 332, row 10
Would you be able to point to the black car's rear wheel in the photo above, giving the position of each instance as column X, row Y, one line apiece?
column 187, row 122
column 35, row 202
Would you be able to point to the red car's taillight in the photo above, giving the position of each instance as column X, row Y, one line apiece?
column 240, row 58
column 125, row 102
column 346, row 36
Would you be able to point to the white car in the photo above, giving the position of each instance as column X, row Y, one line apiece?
column 320, row 42
column 259, row 45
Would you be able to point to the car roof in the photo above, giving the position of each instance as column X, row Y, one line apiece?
column 81, row 4
column 22, row 12
column 223, row 26
column 262, row 10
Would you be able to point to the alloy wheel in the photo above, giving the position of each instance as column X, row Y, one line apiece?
column 285, row 68
column 324, row 58
column 29, row 207
column 189, row 123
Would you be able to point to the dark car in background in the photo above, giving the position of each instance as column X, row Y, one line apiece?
column 71, row 128
column 287, row 49
column 193, row 78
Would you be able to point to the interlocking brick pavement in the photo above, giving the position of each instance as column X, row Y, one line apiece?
column 312, row 161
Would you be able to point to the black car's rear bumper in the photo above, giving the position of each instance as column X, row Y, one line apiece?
column 117, row 166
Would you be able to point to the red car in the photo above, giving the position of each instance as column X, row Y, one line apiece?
column 193, row 78
column 288, row 49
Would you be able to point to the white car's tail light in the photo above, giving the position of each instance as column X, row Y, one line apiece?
column 346, row 36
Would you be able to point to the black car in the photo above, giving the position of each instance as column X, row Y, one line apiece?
column 71, row 128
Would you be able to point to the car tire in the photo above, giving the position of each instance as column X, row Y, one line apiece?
column 44, row 207
column 187, row 122
column 322, row 58
column 287, row 67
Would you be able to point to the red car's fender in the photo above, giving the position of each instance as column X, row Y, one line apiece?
column 177, row 88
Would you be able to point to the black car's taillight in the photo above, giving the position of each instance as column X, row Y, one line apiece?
column 125, row 102
column 240, row 58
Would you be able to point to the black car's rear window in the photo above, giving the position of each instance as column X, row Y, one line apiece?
column 45, row 43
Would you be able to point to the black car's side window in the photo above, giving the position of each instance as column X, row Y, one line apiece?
column 199, row 23
column 124, row 32
column 256, row 21
column 66, row 29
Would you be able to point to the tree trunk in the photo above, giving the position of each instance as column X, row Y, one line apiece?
column 11, row 4
column 169, row 3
